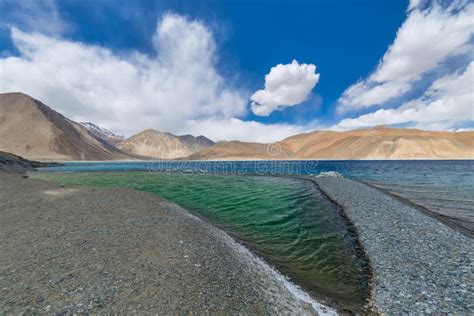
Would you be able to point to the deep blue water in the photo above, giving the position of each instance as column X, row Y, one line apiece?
column 444, row 187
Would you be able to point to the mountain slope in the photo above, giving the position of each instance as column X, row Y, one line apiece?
column 236, row 150
column 32, row 130
column 102, row 133
column 375, row 143
column 14, row 163
column 161, row 145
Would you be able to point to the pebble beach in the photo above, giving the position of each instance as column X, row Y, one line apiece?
column 110, row 250
column 94, row 250
column 419, row 265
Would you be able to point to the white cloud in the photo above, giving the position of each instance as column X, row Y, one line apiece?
column 126, row 93
column 179, row 90
column 37, row 15
column 252, row 131
column 285, row 85
column 447, row 102
column 467, row 129
column 413, row 4
column 425, row 40
column 364, row 94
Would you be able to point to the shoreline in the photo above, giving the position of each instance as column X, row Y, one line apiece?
column 359, row 247
column 415, row 262
column 448, row 221
column 242, row 160
column 419, row 264
column 440, row 217
column 356, row 232
column 260, row 263
column 318, row 294
column 260, row 288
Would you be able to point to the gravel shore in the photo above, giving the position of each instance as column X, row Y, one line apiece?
column 419, row 265
column 99, row 250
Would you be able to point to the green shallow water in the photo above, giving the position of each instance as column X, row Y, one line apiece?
column 285, row 220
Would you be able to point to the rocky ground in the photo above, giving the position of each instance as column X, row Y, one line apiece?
column 419, row 264
column 13, row 163
column 82, row 250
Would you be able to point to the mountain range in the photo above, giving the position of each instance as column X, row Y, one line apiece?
column 363, row 144
column 155, row 144
column 33, row 130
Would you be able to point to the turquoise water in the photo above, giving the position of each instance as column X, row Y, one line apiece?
column 285, row 220
column 444, row 187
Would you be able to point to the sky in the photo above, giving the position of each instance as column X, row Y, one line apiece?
column 258, row 70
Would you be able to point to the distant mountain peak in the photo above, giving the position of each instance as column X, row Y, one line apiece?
column 205, row 140
column 100, row 131
column 153, row 143
column 152, row 132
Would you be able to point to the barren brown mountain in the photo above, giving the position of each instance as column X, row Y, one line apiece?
column 374, row 143
column 32, row 130
column 152, row 143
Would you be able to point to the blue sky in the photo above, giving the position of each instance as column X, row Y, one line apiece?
column 200, row 66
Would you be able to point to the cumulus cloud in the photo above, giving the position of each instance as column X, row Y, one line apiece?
column 178, row 90
column 252, row 131
column 285, row 85
column 446, row 103
column 126, row 93
column 427, row 38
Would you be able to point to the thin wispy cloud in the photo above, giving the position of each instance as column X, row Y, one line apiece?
column 33, row 15
column 426, row 39
column 447, row 102
column 433, row 34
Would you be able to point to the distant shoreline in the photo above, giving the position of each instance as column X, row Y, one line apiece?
column 242, row 160
column 395, row 231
